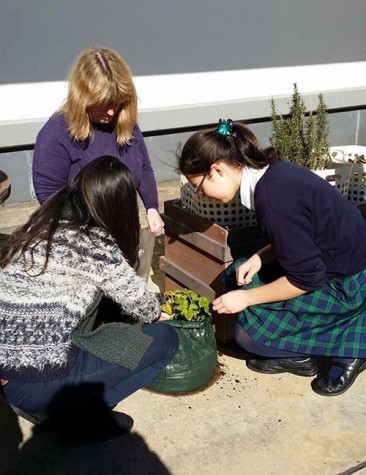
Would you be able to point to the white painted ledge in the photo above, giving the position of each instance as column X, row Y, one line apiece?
column 186, row 100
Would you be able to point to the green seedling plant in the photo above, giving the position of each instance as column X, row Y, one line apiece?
column 185, row 304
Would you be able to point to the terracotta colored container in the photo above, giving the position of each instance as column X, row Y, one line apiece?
column 197, row 251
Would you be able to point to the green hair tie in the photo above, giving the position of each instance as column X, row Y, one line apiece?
column 225, row 128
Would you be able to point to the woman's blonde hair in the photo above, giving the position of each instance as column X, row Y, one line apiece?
column 100, row 76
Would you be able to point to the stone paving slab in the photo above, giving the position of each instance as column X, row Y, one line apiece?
column 244, row 423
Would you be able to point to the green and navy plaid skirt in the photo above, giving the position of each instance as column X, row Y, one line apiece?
column 329, row 322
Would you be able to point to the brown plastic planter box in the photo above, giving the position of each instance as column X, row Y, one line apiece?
column 196, row 253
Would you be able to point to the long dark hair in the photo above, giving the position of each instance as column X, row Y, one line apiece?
column 207, row 146
column 103, row 195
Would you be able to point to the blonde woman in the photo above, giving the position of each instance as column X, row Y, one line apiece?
column 98, row 117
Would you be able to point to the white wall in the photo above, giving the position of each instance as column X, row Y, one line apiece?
column 191, row 100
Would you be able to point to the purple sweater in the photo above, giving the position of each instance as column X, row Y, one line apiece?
column 58, row 158
column 316, row 233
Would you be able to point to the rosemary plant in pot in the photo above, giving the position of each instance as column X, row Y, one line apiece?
column 195, row 362
column 302, row 136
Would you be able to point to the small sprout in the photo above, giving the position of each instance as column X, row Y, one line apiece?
column 185, row 304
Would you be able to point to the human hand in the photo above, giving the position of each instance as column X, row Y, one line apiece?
column 231, row 302
column 164, row 316
column 154, row 221
column 245, row 272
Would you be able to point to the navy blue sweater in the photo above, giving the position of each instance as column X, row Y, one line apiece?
column 316, row 233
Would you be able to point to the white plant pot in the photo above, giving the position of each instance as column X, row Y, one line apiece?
column 345, row 155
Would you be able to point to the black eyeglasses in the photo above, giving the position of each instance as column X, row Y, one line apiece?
column 197, row 190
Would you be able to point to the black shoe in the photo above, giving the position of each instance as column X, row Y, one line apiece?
column 91, row 428
column 106, row 429
column 306, row 367
column 325, row 386
column 123, row 421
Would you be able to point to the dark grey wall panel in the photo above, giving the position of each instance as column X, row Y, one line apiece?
column 344, row 128
column 39, row 39
column 163, row 151
column 362, row 129
column 18, row 165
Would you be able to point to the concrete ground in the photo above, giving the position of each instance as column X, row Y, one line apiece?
column 243, row 423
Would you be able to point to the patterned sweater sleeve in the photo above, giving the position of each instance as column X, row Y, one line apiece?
column 118, row 280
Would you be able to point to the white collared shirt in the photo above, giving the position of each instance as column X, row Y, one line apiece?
column 249, row 179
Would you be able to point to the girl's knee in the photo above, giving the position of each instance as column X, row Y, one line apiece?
column 170, row 336
column 165, row 336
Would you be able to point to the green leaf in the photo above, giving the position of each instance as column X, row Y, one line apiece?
column 186, row 304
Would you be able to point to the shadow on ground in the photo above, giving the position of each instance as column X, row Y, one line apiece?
column 43, row 453
column 233, row 350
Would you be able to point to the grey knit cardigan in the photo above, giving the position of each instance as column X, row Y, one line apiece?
column 39, row 313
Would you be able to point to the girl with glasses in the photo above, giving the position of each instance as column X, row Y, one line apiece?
column 314, row 306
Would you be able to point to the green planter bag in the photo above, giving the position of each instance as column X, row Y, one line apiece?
column 195, row 362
